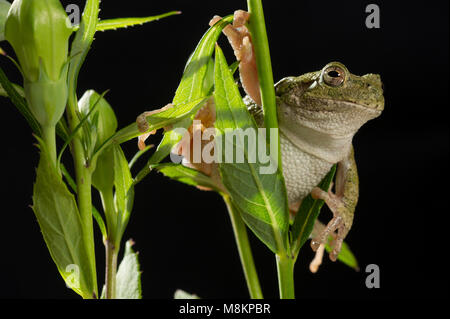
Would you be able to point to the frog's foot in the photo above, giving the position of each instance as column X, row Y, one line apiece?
column 317, row 261
column 340, row 223
column 143, row 125
column 240, row 39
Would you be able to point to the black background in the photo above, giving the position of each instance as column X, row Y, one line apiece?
column 184, row 235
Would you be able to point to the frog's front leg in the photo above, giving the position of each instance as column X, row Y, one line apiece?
column 241, row 41
column 342, row 203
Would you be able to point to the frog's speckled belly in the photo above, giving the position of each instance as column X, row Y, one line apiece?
column 302, row 171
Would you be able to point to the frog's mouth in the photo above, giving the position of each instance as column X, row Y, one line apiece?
column 338, row 106
column 375, row 107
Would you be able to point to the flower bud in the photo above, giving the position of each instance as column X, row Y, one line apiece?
column 4, row 8
column 102, row 125
column 103, row 121
column 39, row 33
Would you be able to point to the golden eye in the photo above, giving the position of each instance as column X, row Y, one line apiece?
column 334, row 76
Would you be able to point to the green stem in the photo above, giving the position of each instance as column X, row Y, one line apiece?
column 83, row 176
column 112, row 243
column 285, row 268
column 111, row 269
column 257, row 26
column 49, row 137
column 110, row 212
column 245, row 252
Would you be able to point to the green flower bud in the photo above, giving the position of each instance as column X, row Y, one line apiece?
column 103, row 121
column 102, row 125
column 39, row 33
column 39, row 30
column 4, row 8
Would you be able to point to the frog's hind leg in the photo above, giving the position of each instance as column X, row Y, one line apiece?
column 342, row 204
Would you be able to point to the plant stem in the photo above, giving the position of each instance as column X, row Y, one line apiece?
column 83, row 176
column 285, row 268
column 49, row 137
column 112, row 243
column 107, row 196
column 257, row 26
column 245, row 252
column 111, row 269
column 260, row 43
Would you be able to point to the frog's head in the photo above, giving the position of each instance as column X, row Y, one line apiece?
column 330, row 100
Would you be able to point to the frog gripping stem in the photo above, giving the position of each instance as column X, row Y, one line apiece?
column 342, row 204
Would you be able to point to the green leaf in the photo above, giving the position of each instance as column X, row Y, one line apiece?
column 18, row 89
column 181, row 294
column 100, row 222
column 195, row 83
column 261, row 198
column 123, row 184
column 119, row 23
column 128, row 278
column 307, row 215
column 57, row 213
column 89, row 128
column 187, row 175
column 138, row 155
column 208, row 82
column 174, row 114
column 345, row 256
column 155, row 122
column 81, row 45
column 169, row 140
column 192, row 83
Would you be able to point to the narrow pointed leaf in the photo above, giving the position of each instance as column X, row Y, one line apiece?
column 81, row 45
column 18, row 89
column 261, row 198
column 120, row 23
column 138, row 155
column 345, row 256
column 187, row 175
column 192, row 83
column 100, row 222
column 122, row 182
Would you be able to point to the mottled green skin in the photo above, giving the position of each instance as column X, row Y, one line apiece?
column 317, row 123
column 364, row 90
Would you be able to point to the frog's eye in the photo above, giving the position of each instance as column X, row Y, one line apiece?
column 334, row 76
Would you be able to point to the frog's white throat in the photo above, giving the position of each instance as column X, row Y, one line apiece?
column 327, row 147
